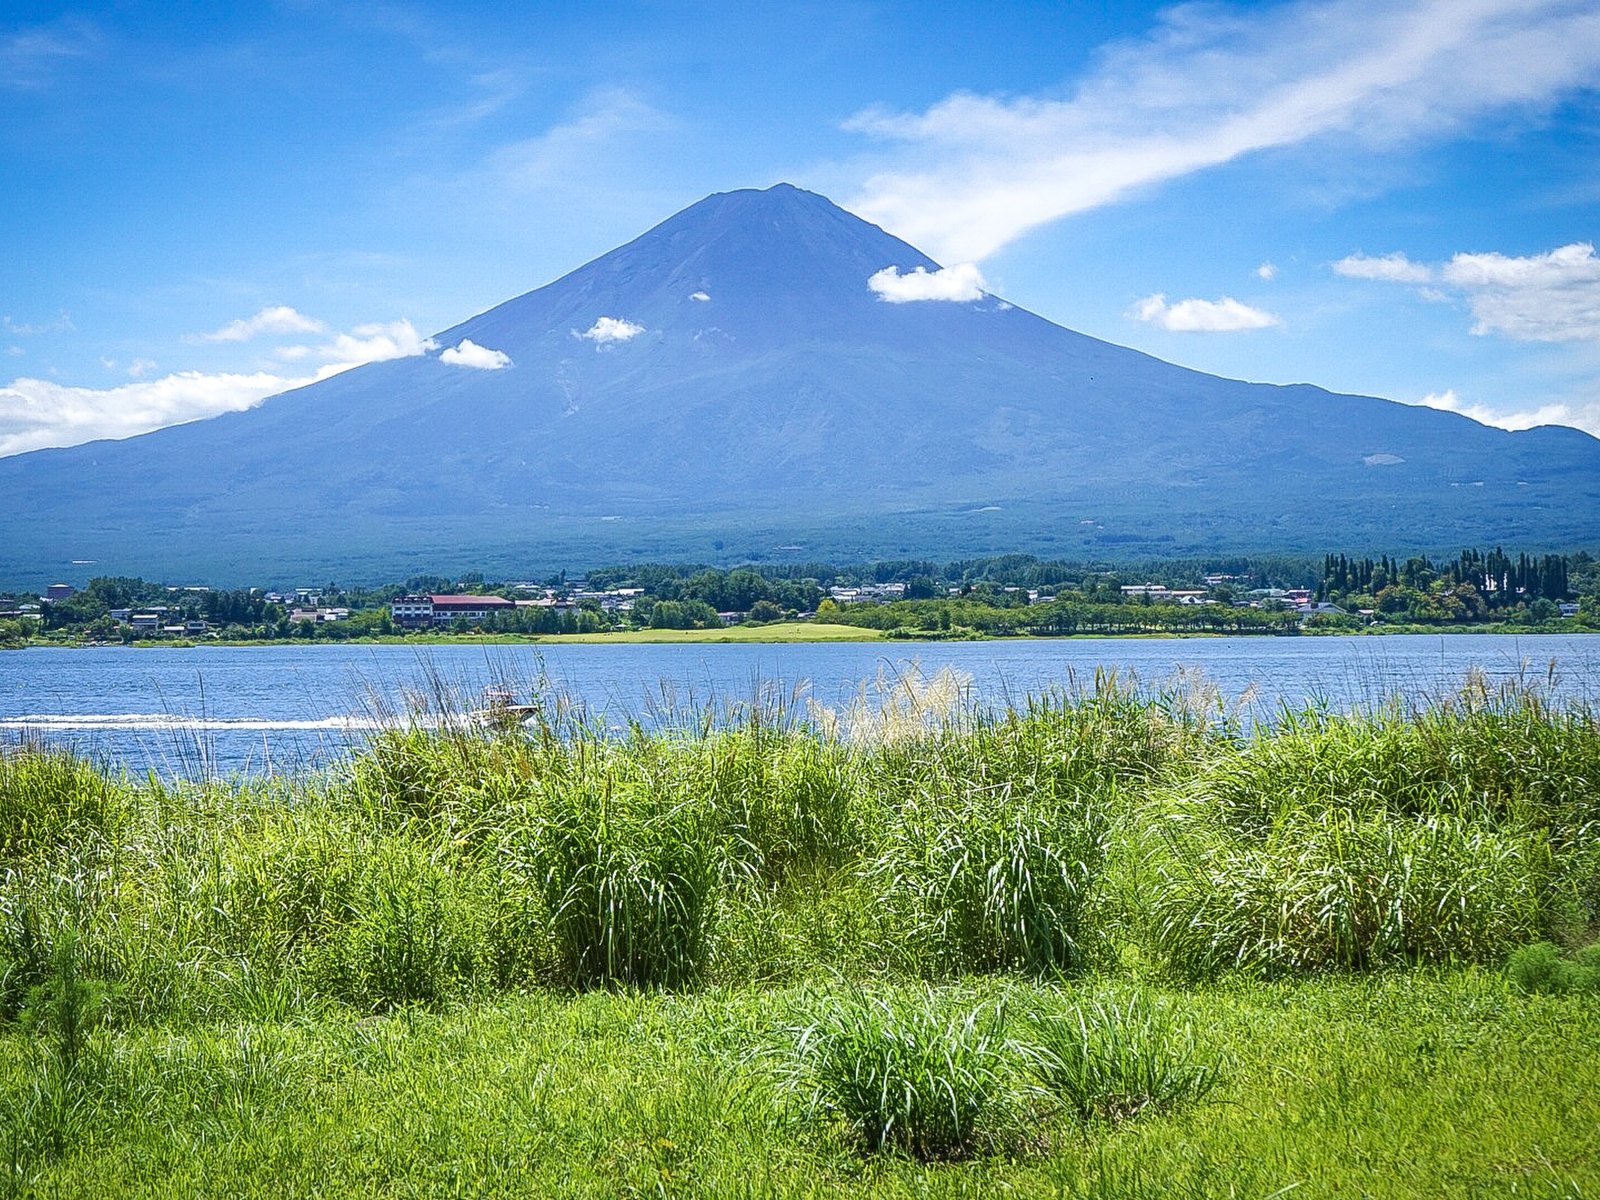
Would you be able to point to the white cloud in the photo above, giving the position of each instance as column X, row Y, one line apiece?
column 1391, row 268
column 377, row 342
column 140, row 367
column 36, row 413
column 1226, row 315
column 1267, row 271
column 1584, row 416
column 1553, row 297
column 609, row 330
column 292, row 353
column 701, row 296
column 960, row 282
column 1550, row 297
column 277, row 319
column 468, row 353
column 1209, row 85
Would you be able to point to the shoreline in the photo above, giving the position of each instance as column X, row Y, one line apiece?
column 788, row 633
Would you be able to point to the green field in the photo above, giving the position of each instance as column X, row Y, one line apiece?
column 1107, row 946
column 778, row 631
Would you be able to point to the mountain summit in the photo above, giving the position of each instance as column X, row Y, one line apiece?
column 728, row 385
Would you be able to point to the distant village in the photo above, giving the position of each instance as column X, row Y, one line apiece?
column 1004, row 596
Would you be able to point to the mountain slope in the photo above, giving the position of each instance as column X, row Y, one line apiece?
column 769, row 398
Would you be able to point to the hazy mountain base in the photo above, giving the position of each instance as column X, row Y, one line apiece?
column 1170, row 524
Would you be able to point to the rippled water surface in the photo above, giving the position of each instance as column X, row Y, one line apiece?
column 228, row 709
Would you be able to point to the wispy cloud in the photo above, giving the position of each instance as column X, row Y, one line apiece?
column 1226, row 315
column 960, row 282
column 1209, row 85
column 1267, row 271
column 609, row 330
column 553, row 158
column 1585, row 416
column 31, row 59
column 1550, row 297
column 467, row 353
column 278, row 319
column 62, row 324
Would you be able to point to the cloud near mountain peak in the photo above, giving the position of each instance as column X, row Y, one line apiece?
column 959, row 283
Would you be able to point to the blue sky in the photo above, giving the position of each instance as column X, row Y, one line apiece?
column 204, row 204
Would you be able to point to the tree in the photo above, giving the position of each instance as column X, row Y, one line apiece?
column 765, row 610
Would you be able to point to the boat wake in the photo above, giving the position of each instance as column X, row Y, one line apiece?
column 177, row 722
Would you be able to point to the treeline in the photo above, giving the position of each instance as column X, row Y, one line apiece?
column 1475, row 585
column 1499, row 578
column 738, row 590
column 1058, row 618
column 688, row 581
column 1000, row 595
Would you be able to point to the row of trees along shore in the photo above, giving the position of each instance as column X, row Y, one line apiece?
column 1008, row 595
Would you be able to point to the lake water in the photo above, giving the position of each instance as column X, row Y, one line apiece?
column 202, row 710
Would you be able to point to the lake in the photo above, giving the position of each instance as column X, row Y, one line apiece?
column 256, row 709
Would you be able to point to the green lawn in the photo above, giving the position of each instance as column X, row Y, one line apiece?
column 1440, row 1085
column 779, row 631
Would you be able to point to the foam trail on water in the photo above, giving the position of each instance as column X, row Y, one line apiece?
column 52, row 722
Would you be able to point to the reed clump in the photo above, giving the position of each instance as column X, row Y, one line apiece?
column 915, row 1073
column 1327, row 841
column 49, row 798
column 1113, row 1059
column 940, row 1074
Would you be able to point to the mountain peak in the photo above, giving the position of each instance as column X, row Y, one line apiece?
column 784, row 212
column 767, row 265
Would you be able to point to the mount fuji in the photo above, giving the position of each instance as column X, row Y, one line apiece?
column 726, row 387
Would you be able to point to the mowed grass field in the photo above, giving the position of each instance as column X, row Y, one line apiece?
column 777, row 631
column 1107, row 945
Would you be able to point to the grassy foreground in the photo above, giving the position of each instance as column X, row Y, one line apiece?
column 1104, row 946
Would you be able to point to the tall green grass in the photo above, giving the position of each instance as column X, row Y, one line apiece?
column 630, row 878
column 942, row 1075
column 449, row 862
column 1349, row 842
column 1330, row 889
column 975, row 878
column 51, row 797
